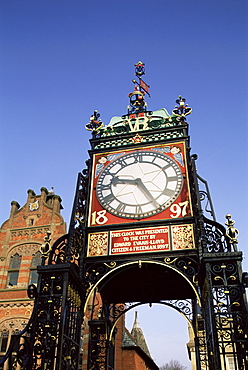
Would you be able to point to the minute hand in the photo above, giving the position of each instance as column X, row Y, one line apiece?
column 146, row 192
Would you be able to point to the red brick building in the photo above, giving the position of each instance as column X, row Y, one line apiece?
column 21, row 237
column 134, row 352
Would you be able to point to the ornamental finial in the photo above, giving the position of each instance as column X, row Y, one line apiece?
column 231, row 231
column 95, row 122
column 181, row 110
column 46, row 248
column 139, row 69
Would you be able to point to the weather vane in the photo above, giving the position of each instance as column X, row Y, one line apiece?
column 141, row 88
column 140, row 71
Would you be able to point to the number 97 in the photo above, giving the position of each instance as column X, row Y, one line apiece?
column 179, row 209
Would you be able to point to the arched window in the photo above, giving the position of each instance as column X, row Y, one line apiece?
column 36, row 260
column 13, row 273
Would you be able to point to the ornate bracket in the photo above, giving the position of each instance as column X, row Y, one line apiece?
column 206, row 197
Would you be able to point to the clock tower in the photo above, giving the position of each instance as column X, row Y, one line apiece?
column 142, row 231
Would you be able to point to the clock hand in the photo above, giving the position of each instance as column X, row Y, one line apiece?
column 145, row 191
column 116, row 180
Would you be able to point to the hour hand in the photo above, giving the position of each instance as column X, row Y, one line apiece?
column 116, row 180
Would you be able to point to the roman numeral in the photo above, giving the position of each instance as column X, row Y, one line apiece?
column 121, row 207
column 138, row 209
column 105, row 186
column 120, row 161
column 138, row 157
column 172, row 178
column 166, row 166
column 109, row 198
column 168, row 192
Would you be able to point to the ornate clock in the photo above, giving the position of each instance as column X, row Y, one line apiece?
column 139, row 184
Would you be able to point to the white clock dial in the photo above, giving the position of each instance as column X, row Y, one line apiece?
column 139, row 184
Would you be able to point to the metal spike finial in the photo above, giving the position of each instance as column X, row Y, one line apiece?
column 231, row 231
column 182, row 109
column 46, row 247
column 95, row 122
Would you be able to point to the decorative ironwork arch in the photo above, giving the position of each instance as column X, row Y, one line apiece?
column 184, row 307
column 114, row 267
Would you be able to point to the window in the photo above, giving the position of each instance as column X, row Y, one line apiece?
column 231, row 363
column 13, row 278
column 33, row 277
column 4, row 335
column 31, row 222
column 36, row 260
column 13, row 273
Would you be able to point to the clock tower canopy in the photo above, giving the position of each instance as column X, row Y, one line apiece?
column 140, row 125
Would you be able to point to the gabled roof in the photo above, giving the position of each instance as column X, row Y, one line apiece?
column 136, row 341
column 138, row 335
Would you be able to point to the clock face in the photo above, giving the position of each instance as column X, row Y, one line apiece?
column 139, row 184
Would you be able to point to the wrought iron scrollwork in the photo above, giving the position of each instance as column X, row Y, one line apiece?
column 97, row 345
column 229, row 311
column 58, row 253
column 95, row 272
column 49, row 315
column 79, row 209
column 184, row 306
column 215, row 237
column 205, row 198
column 187, row 265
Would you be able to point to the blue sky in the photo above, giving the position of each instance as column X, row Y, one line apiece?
column 60, row 60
